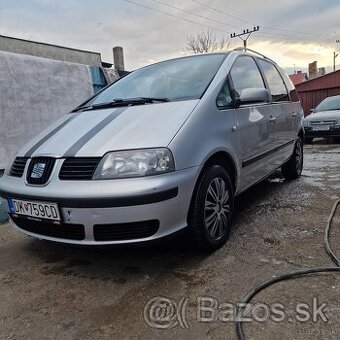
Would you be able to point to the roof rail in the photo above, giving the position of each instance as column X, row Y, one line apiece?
column 245, row 49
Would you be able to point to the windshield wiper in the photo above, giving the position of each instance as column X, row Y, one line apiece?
column 122, row 102
column 153, row 99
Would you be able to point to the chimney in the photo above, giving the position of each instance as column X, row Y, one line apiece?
column 118, row 58
column 313, row 70
column 322, row 71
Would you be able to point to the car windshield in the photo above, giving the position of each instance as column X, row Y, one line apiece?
column 329, row 104
column 177, row 79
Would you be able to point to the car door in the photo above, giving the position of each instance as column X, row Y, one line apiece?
column 295, row 113
column 282, row 112
column 254, row 126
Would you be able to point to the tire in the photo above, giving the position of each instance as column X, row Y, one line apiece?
column 209, row 218
column 308, row 140
column 292, row 169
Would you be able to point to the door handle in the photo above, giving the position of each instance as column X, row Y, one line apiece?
column 272, row 119
column 294, row 114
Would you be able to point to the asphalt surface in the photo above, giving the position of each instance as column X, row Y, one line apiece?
column 51, row 291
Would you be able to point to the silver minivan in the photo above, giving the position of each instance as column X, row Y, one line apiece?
column 165, row 148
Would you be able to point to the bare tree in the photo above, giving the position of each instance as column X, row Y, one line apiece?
column 205, row 42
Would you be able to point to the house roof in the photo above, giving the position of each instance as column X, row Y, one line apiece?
column 328, row 81
column 298, row 78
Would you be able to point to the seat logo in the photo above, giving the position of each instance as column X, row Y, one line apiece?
column 38, row 170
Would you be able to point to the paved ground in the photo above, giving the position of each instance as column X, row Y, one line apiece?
column 49, row 291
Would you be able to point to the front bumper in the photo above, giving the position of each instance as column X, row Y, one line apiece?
column 332, row 132
column 121, row 211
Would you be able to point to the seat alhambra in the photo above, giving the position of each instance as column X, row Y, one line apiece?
column 164, row 148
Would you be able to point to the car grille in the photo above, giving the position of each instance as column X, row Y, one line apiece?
column 78, row 168
column 125, row 231
column 65, row 231
column 45, row 173
column 18, row 167
column 323, row 122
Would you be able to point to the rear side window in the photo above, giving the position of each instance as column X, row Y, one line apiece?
column 276, row 84
column 245, row 74
column 291, row 88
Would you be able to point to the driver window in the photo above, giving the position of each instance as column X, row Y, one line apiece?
column 245, row 74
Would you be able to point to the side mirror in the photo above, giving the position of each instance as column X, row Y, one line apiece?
column 253, row 96
column 311, row 111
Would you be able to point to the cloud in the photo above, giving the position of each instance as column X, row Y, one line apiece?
column 291, row 32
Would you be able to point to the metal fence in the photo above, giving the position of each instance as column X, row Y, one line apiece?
column 312, row 92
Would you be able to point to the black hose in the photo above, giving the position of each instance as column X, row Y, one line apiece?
column 327, row 232
column 288, row 276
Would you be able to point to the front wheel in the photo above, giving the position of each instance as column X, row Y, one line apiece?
column 211, row 209
column 292, row 169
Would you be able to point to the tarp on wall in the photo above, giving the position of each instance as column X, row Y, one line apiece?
column 33, row 93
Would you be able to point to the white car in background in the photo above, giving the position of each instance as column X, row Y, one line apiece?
column 324, row 121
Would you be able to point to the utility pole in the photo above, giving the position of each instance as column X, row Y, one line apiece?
column 246, row 32
column 335, row 55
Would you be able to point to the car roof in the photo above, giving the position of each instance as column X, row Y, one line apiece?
column 239, row 51
column 331, row 97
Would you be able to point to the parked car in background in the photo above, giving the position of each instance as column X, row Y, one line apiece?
column 324, row 120
column 167, row 147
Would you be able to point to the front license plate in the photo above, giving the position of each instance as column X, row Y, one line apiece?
column 41, row 210
column 321, row 128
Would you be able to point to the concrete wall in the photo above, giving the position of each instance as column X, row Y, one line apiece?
column 33, row 93
column 33, row 48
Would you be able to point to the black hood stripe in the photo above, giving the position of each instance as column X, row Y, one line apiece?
column 30, row 152
column 72, row 151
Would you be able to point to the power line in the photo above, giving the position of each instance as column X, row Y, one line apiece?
column 245, row 32
column 174, row 16
column 194, row 14
column 216, row 21
column 291, row 31
column 266, row 35
column 272, row 36
column 282, row 36
column 275, row 38
column 222, row 12
column 248, row 22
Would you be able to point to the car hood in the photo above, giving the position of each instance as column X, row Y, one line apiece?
column 95, row 132
column 324, row 116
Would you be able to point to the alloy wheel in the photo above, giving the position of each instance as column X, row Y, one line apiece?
column 217, row 208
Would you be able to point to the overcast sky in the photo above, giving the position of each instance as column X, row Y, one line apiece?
column 291, row 32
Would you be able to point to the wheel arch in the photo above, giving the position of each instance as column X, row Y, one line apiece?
column 224, row 159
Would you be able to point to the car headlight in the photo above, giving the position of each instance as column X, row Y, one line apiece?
column 306, row 123
column 135, row 163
